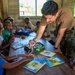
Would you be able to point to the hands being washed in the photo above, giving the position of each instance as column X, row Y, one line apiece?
column 31, row 44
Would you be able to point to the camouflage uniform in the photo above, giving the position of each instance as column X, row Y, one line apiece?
column 64, row 20
column 68, row 43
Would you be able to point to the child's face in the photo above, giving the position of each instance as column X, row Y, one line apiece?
column 8, row 26
column 26, row 21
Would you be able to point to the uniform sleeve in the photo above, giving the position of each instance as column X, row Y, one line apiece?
column 2, row 61
column 66, row 22
column 66, row 18
column 43, row 21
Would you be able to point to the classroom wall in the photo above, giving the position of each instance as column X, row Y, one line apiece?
column 10, row 8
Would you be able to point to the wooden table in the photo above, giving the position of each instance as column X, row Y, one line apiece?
column 62, row 69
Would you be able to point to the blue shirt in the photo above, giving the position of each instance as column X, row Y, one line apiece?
column 2, row 61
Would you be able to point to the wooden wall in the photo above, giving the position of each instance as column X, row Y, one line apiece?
column 1, row 9
column 10, row 8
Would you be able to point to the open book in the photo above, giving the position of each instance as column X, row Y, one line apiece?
column 16, row 45
column 34, row 65
column 53, row 61
column 47, row 53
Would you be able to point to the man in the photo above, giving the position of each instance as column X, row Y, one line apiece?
column 64, row 23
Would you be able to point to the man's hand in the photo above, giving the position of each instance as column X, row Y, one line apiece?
column 58, row 51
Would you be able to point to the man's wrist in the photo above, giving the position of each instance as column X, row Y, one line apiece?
column 34, row 40
column 55, row 47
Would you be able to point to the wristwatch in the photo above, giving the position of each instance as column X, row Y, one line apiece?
column 55, row 47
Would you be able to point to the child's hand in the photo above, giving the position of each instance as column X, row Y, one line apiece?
column 30, row 55
column 22, row 55
column 11, row 40
column 26, row 59
column 26, row 55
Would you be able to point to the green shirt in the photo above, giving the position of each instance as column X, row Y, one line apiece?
column 6, row 34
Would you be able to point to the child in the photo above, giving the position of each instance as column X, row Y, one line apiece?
column 6, row 65
column 28, row 24
column 37, row 26
column 7, row 33
column 2, row 39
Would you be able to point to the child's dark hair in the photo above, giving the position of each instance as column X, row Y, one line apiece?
column 26, row 19
column 37, row 23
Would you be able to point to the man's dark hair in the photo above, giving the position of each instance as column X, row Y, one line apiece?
column 49, row 8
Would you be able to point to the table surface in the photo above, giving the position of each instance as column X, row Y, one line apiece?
column 25, row 41
column 62, row 69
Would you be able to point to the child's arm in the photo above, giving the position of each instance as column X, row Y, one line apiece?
column 15, row 64
column 5, row 46
column 9, row 58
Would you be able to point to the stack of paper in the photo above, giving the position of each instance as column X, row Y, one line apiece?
column 16, row 45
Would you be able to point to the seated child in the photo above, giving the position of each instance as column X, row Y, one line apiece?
column 37, row 26
column 28, row 24
column 7, row 33
column 4, row 64
column 4, row 47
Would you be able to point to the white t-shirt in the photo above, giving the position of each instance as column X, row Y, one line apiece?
column 1, row 39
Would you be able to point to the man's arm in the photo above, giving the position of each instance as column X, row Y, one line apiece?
column 38, row 36
column 60, row 36
column 40, row 32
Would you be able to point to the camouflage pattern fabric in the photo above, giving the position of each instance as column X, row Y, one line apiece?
column 68, row 43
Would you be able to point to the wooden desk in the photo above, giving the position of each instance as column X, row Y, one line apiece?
column 62, row 69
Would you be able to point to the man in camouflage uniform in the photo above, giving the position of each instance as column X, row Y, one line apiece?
column 64, row 22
